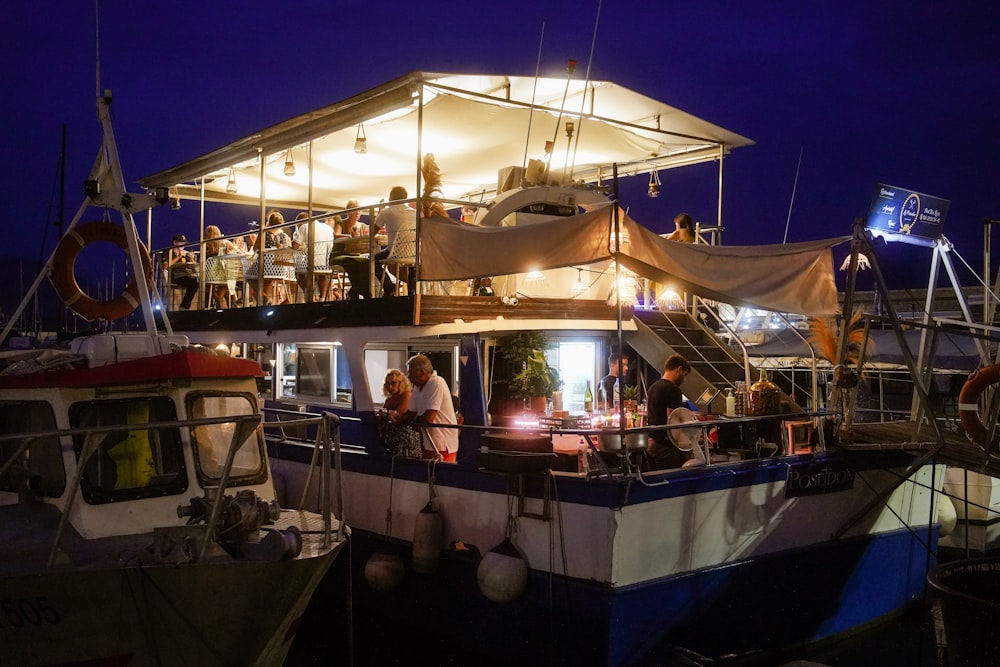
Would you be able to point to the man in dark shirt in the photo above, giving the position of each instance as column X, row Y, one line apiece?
column 664, row 397
column 617, row 369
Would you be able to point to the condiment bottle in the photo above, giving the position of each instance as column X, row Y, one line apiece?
column 730, row 403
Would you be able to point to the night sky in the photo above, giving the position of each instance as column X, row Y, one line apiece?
column 899, row 92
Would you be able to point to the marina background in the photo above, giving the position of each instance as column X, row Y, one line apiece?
column 838, row 98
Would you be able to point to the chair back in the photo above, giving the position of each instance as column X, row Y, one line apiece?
column 404, row 248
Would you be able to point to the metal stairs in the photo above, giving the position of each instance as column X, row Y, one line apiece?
column 714, row 365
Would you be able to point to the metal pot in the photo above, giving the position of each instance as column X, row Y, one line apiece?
column 611, row 441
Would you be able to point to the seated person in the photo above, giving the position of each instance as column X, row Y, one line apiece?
column 183, row 268
column 321, row 245
column 392, row 219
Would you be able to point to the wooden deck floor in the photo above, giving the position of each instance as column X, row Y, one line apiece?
column 953, row 448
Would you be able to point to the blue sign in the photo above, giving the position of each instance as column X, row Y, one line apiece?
column 903, row 215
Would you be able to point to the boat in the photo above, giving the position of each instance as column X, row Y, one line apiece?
column 138, row 514
column 550, row 541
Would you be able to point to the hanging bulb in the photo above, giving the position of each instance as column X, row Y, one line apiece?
column 361, row 142
column 654, row 184
column 580, row 287
column 231, row 185
column 289, row 163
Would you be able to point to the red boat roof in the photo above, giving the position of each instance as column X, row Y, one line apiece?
column 171, row 366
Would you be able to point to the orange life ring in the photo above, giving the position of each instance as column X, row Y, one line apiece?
column 968, row 402
column 63, row 274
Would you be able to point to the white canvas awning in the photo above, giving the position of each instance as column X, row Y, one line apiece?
column 475, row 125
column 791, row 278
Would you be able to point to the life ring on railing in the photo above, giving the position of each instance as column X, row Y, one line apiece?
column 63, row 274
column 968, row 403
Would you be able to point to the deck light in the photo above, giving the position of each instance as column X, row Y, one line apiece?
column 289, row 163
column 361, row 142
column 231, row 185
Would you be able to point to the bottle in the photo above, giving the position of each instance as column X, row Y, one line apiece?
column 730, row 403
column 588, row 401
column 602, row 398
column 582, row 454
column 616, row 393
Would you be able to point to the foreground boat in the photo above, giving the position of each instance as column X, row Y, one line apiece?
column 139, row 523
column 532, row 548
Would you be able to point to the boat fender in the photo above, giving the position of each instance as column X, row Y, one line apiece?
column 428, row 540
column 947, row 515
column 63, row 273
column 968, row 402
column 384, row 571
column 503, row 573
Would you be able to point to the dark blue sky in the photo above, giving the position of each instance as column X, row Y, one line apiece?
column 899, row 92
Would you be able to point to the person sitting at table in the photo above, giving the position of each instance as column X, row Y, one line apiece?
column 217, row 274
column 322, row 243
column 183, row 270
column 269, row 238
column 351, row 225
column 394, row 219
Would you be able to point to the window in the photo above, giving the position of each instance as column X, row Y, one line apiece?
column 41, row 464
column 317, row 372
column 138, row 463
column 212, row 441
column 576, row 361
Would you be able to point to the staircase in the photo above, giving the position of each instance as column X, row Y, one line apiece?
column 714, row 367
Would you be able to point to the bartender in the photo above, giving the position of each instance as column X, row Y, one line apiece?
column 665, row 396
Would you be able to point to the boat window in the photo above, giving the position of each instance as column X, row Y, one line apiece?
column 316, row 372
column 212, row 441
column 128, row 464
column 40, row 467
column 381, row 358
column 577, row 363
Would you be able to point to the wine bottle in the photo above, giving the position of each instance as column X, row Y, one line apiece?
column 588, row 399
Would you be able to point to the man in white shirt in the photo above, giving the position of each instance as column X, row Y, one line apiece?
column 431, row 403
column 394, row 218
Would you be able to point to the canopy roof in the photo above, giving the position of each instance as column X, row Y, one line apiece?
column 475, row 125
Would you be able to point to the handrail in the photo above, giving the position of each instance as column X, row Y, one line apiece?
column 245, row 425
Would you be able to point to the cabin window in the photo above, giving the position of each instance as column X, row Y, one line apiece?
column 122, row 463
column 577, row 363
column 316, row 372
column 212, row 441
column 40, row 467
column 381, row 358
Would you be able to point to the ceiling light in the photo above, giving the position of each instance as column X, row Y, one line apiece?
column 361, row 142
column 289, row 163
column 579, row 287
column 231, row 185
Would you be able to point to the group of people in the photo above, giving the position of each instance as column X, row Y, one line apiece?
column 418, row 410
column 416, row 407
column 663, row 397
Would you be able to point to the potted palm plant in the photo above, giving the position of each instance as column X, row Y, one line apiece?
column 533, row 378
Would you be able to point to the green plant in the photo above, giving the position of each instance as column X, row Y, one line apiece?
column 630, row 392
column 536, row 377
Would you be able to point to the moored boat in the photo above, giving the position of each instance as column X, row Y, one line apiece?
column 138, row 516
column 542, row 550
